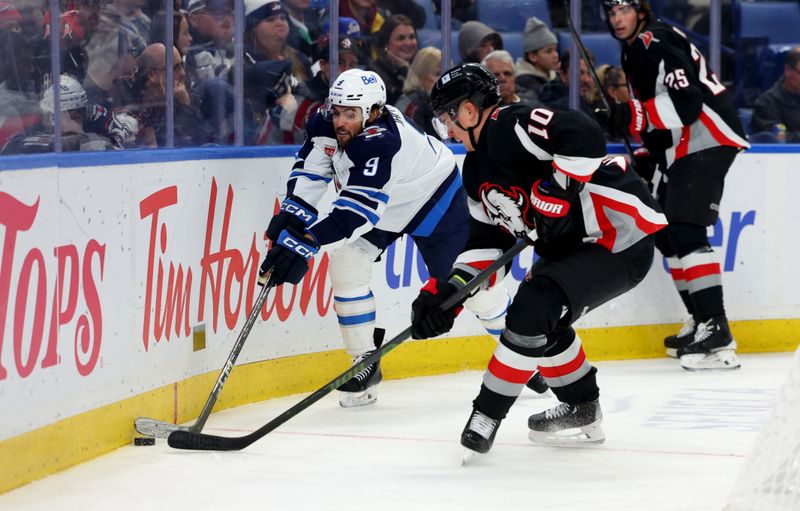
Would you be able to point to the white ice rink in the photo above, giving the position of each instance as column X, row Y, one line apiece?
column 675, row 441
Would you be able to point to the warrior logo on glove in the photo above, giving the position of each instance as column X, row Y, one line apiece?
column 507, row 208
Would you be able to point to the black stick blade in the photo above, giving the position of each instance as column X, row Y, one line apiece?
column 200, row 442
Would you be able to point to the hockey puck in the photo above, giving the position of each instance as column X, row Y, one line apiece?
column 144, row 440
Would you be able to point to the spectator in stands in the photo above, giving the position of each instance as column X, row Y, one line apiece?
column 304, row 25
column 396, row 44
column 121, row 35
column 348, row 27
column 501, row 64
column 74, row 133
column 265, row 38
column 778, row 109
column 555, row 94
column 425, row 69
column 476, row 40
column 366, row 12
column 615, row 85
column 312, row 94
column 539, row 63
column 19, row 105
column 210, row 54
column 150, row 91
column 410, row 8
column 181, row 37
column 78, row 24
column 9, row 17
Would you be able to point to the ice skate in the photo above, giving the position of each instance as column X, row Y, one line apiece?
column 568, row 424
column 682, row 339
column 538, row 385
column 361, row 389
column 478, row 435
column 712, row 348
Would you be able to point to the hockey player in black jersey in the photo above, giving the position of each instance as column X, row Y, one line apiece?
column 535, row 168
column 687, row 120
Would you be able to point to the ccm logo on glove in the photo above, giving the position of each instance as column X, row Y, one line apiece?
column 296, row 246
column 297, row 210
column 545, row 203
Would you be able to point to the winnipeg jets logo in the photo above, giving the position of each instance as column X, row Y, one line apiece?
column 506, row 208
column 647, row 38
column 373, row 131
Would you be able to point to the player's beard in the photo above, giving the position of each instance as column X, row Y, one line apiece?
column 344, row 136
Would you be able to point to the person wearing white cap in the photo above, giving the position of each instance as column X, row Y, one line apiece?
column 539, row 63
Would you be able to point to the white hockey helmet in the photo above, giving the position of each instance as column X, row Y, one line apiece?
column 358, row 88
column 73, row 96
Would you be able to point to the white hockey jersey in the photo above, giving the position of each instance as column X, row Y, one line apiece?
column 392, row 176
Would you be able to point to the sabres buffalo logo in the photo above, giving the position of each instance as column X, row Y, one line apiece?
column 508, row 208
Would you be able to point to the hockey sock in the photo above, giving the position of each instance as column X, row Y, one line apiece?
column 513, row 363
column 676, row 270
column 356, row 314
column 704, row 283
column 567, row 372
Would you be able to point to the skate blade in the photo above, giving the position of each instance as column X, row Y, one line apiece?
column 722, row 360
column 354, row 399
column 156, row 428
column 672, row 352
column 574, row 437
column 468, row 456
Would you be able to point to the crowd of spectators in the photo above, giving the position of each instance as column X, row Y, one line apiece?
column 113, row 57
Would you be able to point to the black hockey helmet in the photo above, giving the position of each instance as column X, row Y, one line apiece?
column 464, row 81
column 640, row 6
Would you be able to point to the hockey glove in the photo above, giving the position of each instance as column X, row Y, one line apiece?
column 645, row 165
column 627, row 118
column 427, row 319
column 551, row 213
column 295, row 213
column 288, row 258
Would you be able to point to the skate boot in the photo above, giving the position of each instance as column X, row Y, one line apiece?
column 568, row 424
column 360, row 390
column 680, row 340
column 537, row 384
column 478, row 435
column 712, row 348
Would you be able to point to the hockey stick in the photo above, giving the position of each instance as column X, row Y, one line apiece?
column 192, row 440
column 593, row 72
column 161, row 429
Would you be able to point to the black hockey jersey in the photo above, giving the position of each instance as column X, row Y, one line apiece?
column 520, row 145
column 687, row 108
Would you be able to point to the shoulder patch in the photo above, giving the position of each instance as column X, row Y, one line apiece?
column 495, row 114
column 647, row 38
column 373, row 131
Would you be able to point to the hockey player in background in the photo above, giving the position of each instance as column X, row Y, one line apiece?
column 391, row 179
column 687, row 121
column 535, row 168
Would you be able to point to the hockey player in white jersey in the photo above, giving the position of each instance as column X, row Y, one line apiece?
column 391, row 179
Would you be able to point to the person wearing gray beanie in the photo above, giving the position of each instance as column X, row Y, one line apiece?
column 476, row 40
column 539, row 63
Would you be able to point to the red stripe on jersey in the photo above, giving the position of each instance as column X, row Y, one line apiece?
column 677, row 273
column 652, row 114
column 508, row 373
column 701, row 270
column 576, row 177
column 682, row 149
column 565, row 369
column 717, row 133
column 609, row 232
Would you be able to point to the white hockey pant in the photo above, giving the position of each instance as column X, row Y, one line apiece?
column 353, row 301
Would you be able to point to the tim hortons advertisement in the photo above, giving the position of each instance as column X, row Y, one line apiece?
column 106, row 273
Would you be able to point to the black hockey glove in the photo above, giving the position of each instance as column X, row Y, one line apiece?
column 295, row 213
column 627, row 119
column 551, row 213
column 645, row 165
column 288, row 259
column 427, row 319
